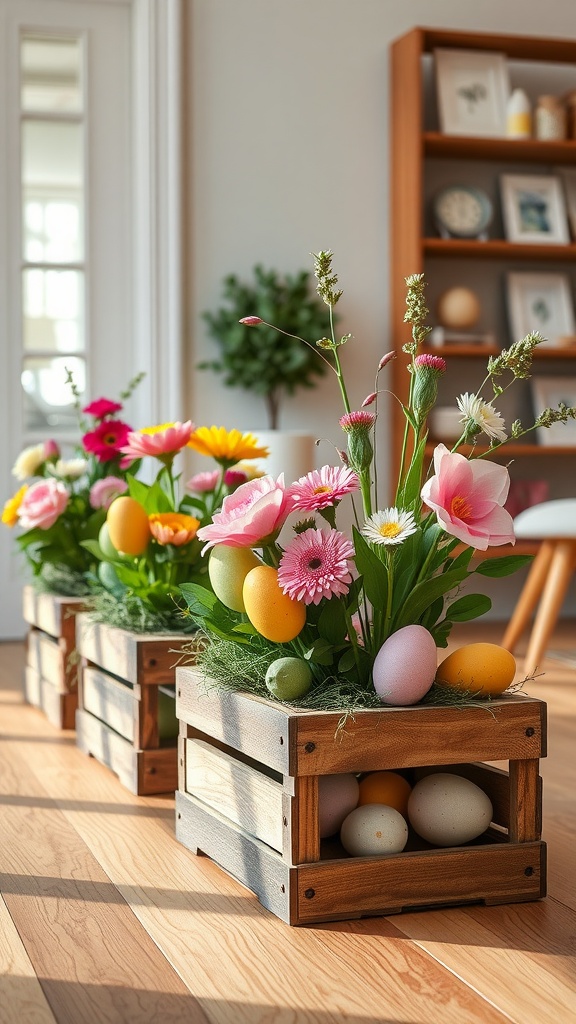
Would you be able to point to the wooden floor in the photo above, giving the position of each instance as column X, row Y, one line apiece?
column 104, row 917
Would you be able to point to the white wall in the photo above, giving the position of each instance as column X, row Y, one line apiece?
column 287, row 123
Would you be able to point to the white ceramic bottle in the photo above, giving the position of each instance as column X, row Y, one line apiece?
column 519, row 116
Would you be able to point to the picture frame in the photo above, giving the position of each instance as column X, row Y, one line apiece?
column 541, row 302
column 472, row 91
column 547, row 392
column 533, row 209
column 567, row 176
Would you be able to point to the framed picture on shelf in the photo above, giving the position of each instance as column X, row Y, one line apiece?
column 568, row 177
column 548, row 392
column 472, row 90
column 533, row 209
column 541, row 302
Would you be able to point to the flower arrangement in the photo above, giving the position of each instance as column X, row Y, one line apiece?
column 322, row 617
column 148, row 544
column 62, row 503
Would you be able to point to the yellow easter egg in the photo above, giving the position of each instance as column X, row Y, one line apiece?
column 486, row 669
column 275, row 615
column 128, row 528
column 227, row 569
column 386, row 788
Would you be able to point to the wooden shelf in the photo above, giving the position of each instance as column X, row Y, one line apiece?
column 467, row 351
column 464, row 147
column 507, row 451
column 498, row 248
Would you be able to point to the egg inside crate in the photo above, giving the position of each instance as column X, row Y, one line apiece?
column 485, row 669
column 386, row 788
column 405, row 666
column 337, row 796
column 373, row 829
column 448, row 810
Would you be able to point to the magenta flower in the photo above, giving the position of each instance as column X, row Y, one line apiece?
column 201, row 483
column 253, row 514
column 166, row 439
column 103, row 492
column 235, row 477
column 359, row 420
column 102, row 407
column 42, row 504
column 107, row 439
column 316, row 565
column 321, row 488
column 429, row 362
column 467, row 497
column 251, row 321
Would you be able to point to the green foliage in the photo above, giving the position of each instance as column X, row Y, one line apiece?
column 260, row 359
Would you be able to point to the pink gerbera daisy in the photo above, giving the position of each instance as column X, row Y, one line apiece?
column 166, row 439
column 315, row 565
column 107, row 439
column 322, row 488
column 102, row 407
column 201, row 483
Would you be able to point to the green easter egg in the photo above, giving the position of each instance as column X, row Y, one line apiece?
column 289, row 678
column 227, row 569
column 109, row 580
column 106, row 545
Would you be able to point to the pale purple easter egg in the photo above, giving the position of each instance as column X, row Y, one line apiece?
column 405, row 666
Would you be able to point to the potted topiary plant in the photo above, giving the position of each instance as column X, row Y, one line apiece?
column 266, row 362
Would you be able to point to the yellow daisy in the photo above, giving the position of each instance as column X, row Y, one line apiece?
column 10, row 510
column 227, row 446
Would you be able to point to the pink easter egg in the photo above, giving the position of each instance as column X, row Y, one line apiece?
column 405, row 666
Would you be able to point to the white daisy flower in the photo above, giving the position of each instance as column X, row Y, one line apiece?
column 483, row 415
column 391, row 526
column 68, row 469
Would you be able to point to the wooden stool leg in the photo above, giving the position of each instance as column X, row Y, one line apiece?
column 529, row 597
column 556, row 586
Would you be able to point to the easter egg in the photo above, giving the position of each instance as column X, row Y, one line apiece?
column 373, row 829
column 486, row 669
column 405, row 666
column 106, row 546
column 447, row 810
column 109, row 579
column 385, row 788
column 128, row 527
column 289, row 678
column 337, row 796
column 275, row 615
column 227, row 569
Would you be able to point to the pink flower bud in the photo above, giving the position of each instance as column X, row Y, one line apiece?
column 251, row 321
column 369, row 399
column 51, row 449
column 386, row 359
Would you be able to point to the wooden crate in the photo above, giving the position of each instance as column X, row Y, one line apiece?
column 51, row 670
column 248, row 798
column 126, row 700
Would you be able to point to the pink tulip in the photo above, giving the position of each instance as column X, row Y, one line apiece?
column 255, row 512
column 201, row 483
column 42, row 504
column 467, row 497
column 103, row 492
column 163, row 440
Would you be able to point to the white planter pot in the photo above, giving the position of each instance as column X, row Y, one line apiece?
column 291, row 452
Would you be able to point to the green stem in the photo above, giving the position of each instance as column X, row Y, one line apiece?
column 364, row 478
column 353, row 638
column 390, row 574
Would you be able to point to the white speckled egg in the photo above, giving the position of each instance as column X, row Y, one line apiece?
column 448, row 810
column 337, row 796
column 373, row 829
column 405, row 666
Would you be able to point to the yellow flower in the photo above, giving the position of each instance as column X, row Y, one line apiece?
column 10, row 511
column 228, row 446
column 252, row 472
column 173, row 527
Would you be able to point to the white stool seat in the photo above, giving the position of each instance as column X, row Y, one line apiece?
column 549, row 519
column 553, row 523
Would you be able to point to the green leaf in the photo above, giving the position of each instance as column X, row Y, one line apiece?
column 332, row 624
column 425, row 593
column 321, row 652
column 410, row 491
column 441, row 632
column 505, row 566
column 201, row 602
column 347, row 661
column 372, row 570
column 469, row 607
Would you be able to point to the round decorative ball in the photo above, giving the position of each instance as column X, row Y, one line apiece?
column 386, row 788
column 373, row 829
column 288, row 678
column 337, row 796
column 458, row 308
column 448, row 810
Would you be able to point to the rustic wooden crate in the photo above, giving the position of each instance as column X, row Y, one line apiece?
column 248, row 798
column 126, row 683
column 51, row 670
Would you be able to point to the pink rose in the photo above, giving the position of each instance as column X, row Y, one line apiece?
column 467, row 497
column 103, row 492
column 201, row 483
column 42, row 504
column 256, row 511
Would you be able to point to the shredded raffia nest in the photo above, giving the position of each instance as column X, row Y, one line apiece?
column 56, row 579
column 242, row 667
column 130, row 614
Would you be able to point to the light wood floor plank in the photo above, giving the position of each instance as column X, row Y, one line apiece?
column 21, row 995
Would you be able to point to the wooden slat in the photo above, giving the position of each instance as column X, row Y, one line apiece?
column 305, row 829
column 236, row 790
column 48, row 659
column 59, row 708
column 51, row 613
column 21, row 996
column 137, row 658
column 525, row 801
column 110, row 700
column 112, row 750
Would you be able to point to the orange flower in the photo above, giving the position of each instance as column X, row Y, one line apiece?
column 173, row 527
column 10, row 510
